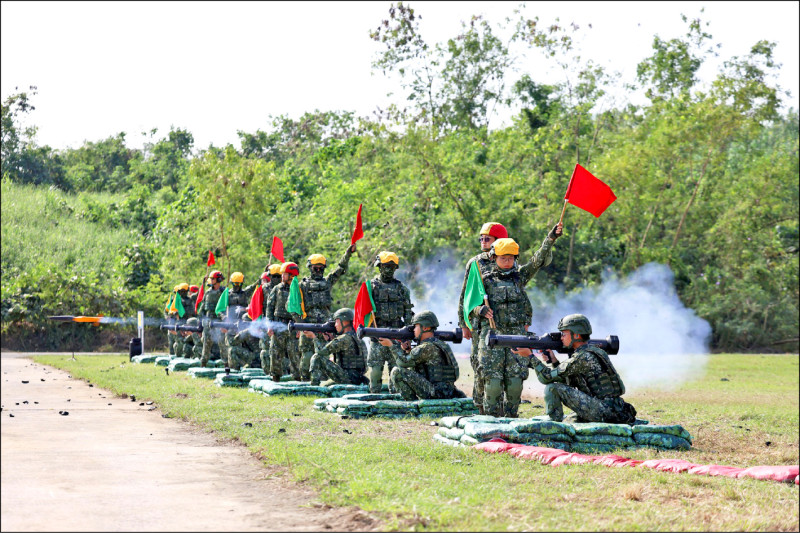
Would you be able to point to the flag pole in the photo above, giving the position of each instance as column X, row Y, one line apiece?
column 566, row 194
column 560, row 220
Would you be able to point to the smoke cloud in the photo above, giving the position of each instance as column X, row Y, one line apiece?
column 662, row 342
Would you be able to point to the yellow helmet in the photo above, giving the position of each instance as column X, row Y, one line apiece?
column 316, row 259
column 275, row 269
column 237, row 277
column 505, row 247
column 181, row 287
column 387, row 257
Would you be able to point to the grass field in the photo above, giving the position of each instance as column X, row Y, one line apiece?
column 396, row 472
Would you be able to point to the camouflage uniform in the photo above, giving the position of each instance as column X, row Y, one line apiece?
column 263, row 341
column 210, row 335
column 317, row 300
column 282, row 343
column 349, row 363
column 503, row 371
column 393, row 302
column 428, row 371
column 243, row 346
column 588, row 384
column 485, row 263
column 191, row 346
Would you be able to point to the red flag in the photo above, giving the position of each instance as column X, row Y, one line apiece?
column 363, row 308
column 588, row 193
column 199, row 296
column 358, row 233
column 256, row 303
column 277, row 249
column 211, row 260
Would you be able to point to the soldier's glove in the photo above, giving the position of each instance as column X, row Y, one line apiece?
column 553, row 235
column 484, row 309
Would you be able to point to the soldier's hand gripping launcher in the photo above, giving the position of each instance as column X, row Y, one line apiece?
column 407, row 334
column 327, row 327
column 549, row 341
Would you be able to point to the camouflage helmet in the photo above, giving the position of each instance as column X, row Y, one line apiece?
column 425, row 319
column 193, row 322
column 344, row 314
column 576, row 323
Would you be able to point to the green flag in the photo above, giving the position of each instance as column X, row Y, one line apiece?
column 178, row 305
column 295, row 304
column 169, row 302
column 474, row 293
column 222, row 304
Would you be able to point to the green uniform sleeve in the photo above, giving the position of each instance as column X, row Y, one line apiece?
column 576, row 365
column 408, row 314
column 271, row 303
column 334, row 276
column 541, row 258
column 339, row 344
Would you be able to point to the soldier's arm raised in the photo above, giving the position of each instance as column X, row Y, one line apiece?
column 541, row 258
column 341, row 268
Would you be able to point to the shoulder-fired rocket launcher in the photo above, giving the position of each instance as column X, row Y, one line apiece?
column 406, row 334
column 549, row 341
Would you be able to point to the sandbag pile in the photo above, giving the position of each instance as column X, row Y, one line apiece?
column 578, row 437
column 143, row 358
column 238, row 379
column 200, row 372
column 164, row 360
column 304, row 388
column 392, row 406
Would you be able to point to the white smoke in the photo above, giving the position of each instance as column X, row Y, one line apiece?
column 662, row 342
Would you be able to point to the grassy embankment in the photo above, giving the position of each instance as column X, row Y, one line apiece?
column 393, row 468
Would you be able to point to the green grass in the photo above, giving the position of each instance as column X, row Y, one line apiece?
column 40, row 227
column 394, row 470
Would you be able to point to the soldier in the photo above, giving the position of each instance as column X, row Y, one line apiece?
column 243, row 346
column 269, row 279
column 194, row 290
column 316, row 292
column 206, row 313
column 349, row 363
column 238, row 300
column 510, row 309
column 490, row 232
column 181, row 291
column 282, row 343
column 586, row 382
column 430, row 370
column 191, row 342
column 393, row 310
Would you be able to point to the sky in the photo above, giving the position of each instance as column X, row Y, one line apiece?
column 215, row 68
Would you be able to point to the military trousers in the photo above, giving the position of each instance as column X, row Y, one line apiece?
column 323, row 368
column 284, row 344
column 586, row 407
column 503, row 373
column 477, row 382
column 411, row 385
column 212, row 336
column 306, row 347
column 378, row 355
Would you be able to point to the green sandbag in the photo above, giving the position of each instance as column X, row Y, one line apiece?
column 606, row 439
column 200, row 372
column 444, row 440
column 485, row 419
column 676, row 430
column 319, row 403
column 162, row 361
column 546, row 443
column 547, row 427
column 451, row 433
column 662, row 440
column 589, row 448
column 439, row 410
column 369, row 397
column 180, row 363
column 483, row 431
column 602, row 428
column 641, row 422
column 527, row 438
column 143, row 359
column 342, row 402
column 449, row 421
column 467, row 440
column 395, row 404
column 441, row 403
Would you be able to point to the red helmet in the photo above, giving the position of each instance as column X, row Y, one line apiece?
column 290, row 268
column 216, row 275
column 194, row 288
column 265, row 275
column 494, row 229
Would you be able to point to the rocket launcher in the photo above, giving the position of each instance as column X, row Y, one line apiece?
column 327, row 327
column 406, row 334
column 549, row 341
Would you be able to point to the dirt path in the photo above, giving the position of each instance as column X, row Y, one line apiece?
column 112, row 465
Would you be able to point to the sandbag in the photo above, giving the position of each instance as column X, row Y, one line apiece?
column 614, row 460
column 544, row 455
column 669, row 465
column 545, row 427
column 600, row 438
column 715, row 470
column 592, row 448
column 486, row 419
column 482, row 431
column 370, row 397
column 535, row 438
column 467, row 440
column 496, row 446
column 602, row 428
column 451, row 433
column 163, row 361
column 572, row 459
column 447, row 441
column 675, row 430
column 181, row 363
column 662, row 440
column 775, row 473
column 143, row 359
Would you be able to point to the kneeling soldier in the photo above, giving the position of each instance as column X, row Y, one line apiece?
column 349, row 363
column 587, row 382
column 191, row 342
column 243, row 348
column 430, row 370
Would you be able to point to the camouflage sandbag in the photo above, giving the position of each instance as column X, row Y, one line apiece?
column 163, row 361
column 451, row 433
column 143, row 359
column 662, row 440
column 441, row 403
column 544, row 427
column 546, row 443
column 482, row 431
column 484, row 419
column 467, row 440
column 449, row 421
column 228, row 380
column 589, row 448
column 531, row 438
column 613, row 440
column 200, row 372
column 602, row 428
column 676, row 430
column 369, row 397
column 182, row 364
column 444, row 440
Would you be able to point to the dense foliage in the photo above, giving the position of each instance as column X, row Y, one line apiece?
column 707, row 180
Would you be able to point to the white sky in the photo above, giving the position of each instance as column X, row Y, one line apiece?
column 215, row 68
